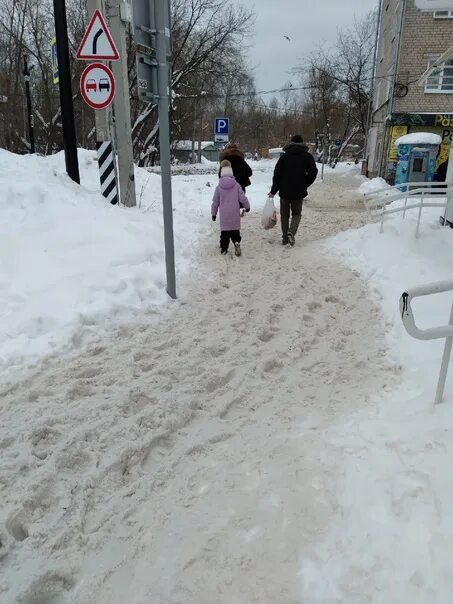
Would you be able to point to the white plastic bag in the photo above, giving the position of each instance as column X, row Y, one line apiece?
column 269, row 218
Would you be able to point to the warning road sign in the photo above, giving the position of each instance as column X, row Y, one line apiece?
column 97, row 43
column 97, row 86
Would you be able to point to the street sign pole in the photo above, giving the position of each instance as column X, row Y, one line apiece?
column 121, row 105
column 67, row 108
column 152, row 34
column 163, row 28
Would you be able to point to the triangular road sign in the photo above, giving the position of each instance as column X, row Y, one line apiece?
column 97, row 43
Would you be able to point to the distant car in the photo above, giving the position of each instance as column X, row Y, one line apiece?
column 104, row 84
column 91, row 85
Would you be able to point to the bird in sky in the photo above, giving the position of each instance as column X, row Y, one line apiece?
column 289, row 39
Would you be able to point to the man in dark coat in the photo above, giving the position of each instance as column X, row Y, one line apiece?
column 295, row 171
column 241, row 170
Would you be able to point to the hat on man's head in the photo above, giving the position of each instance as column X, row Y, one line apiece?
column 297, row 139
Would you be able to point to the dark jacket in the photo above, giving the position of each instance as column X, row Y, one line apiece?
column 295, row 171
column 241, row 170
column 441, row 174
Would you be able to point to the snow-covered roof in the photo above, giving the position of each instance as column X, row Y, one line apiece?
column 276, row 150
column 187, row 145
column 419, row 138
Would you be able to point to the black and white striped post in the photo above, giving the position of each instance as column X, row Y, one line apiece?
column 107, row 171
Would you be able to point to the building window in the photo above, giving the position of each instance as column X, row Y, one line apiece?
column 442, row 79
column 443, row 14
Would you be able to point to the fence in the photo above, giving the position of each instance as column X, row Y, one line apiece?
column 417, row 196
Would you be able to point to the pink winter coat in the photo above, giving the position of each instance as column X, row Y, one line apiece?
column 228, row 198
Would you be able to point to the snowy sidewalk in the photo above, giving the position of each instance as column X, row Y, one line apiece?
column 187, row 462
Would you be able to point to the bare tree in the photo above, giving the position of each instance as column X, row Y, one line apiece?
column 207, row 35
column 341, row 81
column 26, row 27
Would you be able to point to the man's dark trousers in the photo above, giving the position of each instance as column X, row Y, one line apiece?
column 290, row 208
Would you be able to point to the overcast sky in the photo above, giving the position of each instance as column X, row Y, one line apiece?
column 306, row 22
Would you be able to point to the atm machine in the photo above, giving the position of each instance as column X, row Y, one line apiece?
column 419, row 165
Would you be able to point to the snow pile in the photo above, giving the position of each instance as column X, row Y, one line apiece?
column 70, row 263
column 187, row 145
column 419, row 138
column 373, row 185
column 165, row 463
column 393, row 531
column 344, row 167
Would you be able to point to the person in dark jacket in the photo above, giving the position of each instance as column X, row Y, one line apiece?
column 295, row 171
column 441, row 173
column 241, row 170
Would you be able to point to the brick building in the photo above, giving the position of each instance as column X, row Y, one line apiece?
column 409, row 41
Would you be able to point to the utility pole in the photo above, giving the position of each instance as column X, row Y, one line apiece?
column 118, row 17
column 163, row 27
column 101, row 116
column 108, row 173
column 31, row 125
column 67, row 108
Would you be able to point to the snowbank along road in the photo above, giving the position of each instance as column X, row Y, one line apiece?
column 186, row 462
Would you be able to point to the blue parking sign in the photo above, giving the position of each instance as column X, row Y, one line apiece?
column 221, row 129
column 222, row 125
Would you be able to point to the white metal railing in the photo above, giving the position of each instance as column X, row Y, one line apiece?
column 434, row 333
column 417, row 196
column 409, row 187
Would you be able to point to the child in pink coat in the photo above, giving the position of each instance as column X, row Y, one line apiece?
column 229, row 198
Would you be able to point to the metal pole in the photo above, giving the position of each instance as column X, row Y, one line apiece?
column 67, row 108
column 444, row 367
column 200, row 133
column 420, row 210
column 163, row 28
column 121, row 105
column 31, row 129
column 194, row 132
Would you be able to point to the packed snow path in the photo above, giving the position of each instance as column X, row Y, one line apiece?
column 186, row 462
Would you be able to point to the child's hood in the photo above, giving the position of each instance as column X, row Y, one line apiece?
column 227, row 182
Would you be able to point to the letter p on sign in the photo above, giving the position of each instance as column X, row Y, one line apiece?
column 222, row 125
